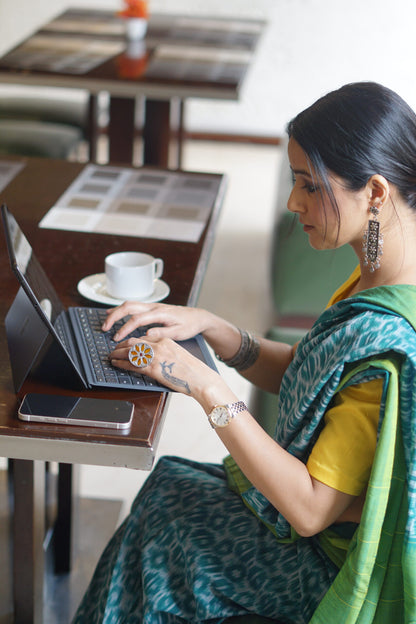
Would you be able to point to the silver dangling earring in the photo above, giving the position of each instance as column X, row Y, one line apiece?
column 373, row 241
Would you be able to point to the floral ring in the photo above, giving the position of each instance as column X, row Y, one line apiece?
column 141, row 354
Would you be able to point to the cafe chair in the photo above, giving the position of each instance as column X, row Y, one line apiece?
column 38, row 138
column 43, row 122
column 61, row 106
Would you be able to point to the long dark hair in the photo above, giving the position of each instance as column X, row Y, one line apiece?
column 357, row 131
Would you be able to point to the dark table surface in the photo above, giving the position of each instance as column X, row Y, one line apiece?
column 67, row 257
column 180, row 57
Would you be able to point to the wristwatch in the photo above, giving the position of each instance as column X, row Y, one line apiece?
column 221, row 415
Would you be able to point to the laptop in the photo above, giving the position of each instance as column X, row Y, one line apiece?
column 64, row 346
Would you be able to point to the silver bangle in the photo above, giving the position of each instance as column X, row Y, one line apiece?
column 246, row 355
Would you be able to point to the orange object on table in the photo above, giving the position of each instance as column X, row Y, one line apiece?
column 135, row 8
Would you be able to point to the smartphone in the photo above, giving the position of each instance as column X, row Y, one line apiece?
column 67, row 410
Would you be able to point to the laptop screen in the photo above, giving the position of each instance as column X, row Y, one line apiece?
column 26, row 265
column 37, row 299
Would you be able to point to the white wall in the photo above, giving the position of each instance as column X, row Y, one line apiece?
column 309, row 48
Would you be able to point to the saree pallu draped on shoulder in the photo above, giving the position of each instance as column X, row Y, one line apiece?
column 368, row 336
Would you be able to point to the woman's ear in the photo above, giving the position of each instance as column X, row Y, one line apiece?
column 378, row 190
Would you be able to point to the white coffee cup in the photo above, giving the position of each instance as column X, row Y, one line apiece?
column 131, row 274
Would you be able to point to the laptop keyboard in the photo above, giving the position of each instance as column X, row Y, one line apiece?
column 100, row 345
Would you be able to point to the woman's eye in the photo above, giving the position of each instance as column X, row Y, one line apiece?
column 310, row 188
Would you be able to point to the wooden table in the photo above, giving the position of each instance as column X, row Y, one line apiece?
column 67, row 257
column 181, row 57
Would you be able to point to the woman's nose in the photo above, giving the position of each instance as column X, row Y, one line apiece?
column 293, row 203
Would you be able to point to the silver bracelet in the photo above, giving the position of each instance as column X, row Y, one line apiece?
column 246, row 355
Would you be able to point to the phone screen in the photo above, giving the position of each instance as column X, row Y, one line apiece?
column 55, row 408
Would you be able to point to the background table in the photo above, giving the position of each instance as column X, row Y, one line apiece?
column 67, row 257
column 181, row 56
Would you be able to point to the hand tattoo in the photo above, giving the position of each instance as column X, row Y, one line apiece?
column 167, row 374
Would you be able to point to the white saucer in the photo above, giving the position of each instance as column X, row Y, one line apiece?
column 94, row 287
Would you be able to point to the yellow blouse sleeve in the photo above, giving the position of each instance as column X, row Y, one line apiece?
column 343, row 454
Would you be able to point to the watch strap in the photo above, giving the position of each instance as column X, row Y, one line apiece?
column 237, row 407
column 233, row 410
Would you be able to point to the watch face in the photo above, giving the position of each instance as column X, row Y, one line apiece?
column 220, row 416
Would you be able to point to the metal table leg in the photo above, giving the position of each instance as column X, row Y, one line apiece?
column 28, row 534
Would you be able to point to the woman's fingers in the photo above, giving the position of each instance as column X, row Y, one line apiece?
column 133, row 309
column 120, row 354
column 175, row 322
column 169, row 364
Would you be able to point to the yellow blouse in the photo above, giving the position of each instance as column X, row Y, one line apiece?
column 343, row 454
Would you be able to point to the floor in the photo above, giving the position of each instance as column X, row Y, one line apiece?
column 235, row 287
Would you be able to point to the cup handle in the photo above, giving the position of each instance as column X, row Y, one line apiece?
column 158, row 267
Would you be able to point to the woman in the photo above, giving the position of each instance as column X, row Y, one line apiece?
column 316, row 524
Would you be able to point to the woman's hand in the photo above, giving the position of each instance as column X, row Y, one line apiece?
column 176, row 368
column 178, row 322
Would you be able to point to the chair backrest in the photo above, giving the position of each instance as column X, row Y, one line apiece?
column 53, row 105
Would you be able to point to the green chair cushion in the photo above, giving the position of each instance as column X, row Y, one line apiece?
column 71, row 111
column 303, row 278
column 36, row 138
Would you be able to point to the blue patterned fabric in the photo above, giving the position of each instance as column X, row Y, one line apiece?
column 192, row 550
column 380, row 321
column 357, row 339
